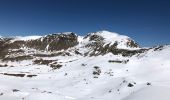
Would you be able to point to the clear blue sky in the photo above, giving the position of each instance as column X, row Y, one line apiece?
column 146, row 21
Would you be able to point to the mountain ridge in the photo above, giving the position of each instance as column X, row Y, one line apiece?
column 93, row 67
column 96, row 43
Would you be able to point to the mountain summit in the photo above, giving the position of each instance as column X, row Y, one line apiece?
column 110, row 38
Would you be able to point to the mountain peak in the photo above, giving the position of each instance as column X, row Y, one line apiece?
column 105, row 34
column 109, row 36
column 112, row 38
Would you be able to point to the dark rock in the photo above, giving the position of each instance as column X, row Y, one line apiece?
column 55, row 66
column 132, row 44
column 43, row 62
column 158, row 48
column 15, row 90
column 1, row 94
column 118, row 61
column 16, row 75
column 18, row 58
column 97, row 71
column 77, row 52
column 31, row 76
column 54, row 42
column 148, row 83
column 130, row 85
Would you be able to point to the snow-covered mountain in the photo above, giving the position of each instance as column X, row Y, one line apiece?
column 99, row 66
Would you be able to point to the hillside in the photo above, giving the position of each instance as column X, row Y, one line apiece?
column 99, row 66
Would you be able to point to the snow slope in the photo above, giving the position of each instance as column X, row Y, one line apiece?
column 26, row 38
column 144, row 76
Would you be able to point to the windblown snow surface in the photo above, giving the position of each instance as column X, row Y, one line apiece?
column 140, row 77
column 26, row 38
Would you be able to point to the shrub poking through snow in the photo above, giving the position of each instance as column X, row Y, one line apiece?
column 119, row 61
column 130, row 85
column 18, row 58
column 30, row 76
column 3, row 65
column 15, row 90
column 43, row 62
column 55, row 66
column 148, row 83
column 96, row 71
column 16, row 75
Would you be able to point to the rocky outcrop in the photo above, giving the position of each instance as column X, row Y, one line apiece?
column 54, row 42
column 103, row 42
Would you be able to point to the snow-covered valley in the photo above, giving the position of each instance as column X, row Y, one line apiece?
column 100, row 66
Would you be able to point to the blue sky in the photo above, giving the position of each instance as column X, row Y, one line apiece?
column 146, row 21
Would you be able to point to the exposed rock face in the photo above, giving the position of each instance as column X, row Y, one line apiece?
column 132, row 43
column 5, row 45
column 94, row 44
column 112, row 39
column 103, row 42
column 54, row 42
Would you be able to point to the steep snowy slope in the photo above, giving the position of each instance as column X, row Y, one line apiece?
column 123, row 72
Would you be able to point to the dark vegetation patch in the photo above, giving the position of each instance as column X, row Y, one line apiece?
column 119, row 61
column 65, row 74
column 16, row 75
column 43, row 62
column 5, row 65
column 18, row 58
column 148, row 83
column 19, row 75
column 15, row 90
column 1, row 94
column 52, row 63
column 110, row 73
column 15, row 51
column 62, row 54
column 96, row 72
column 46, row 92
column 72, row 60
column 3, row 54
column 158, row 48
column 130, row 85
column 55, row 66
column 30, row 76
column 77, row 52
column 127, row 53
column 43, row 55
column 83, row 64
column 53, row 54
